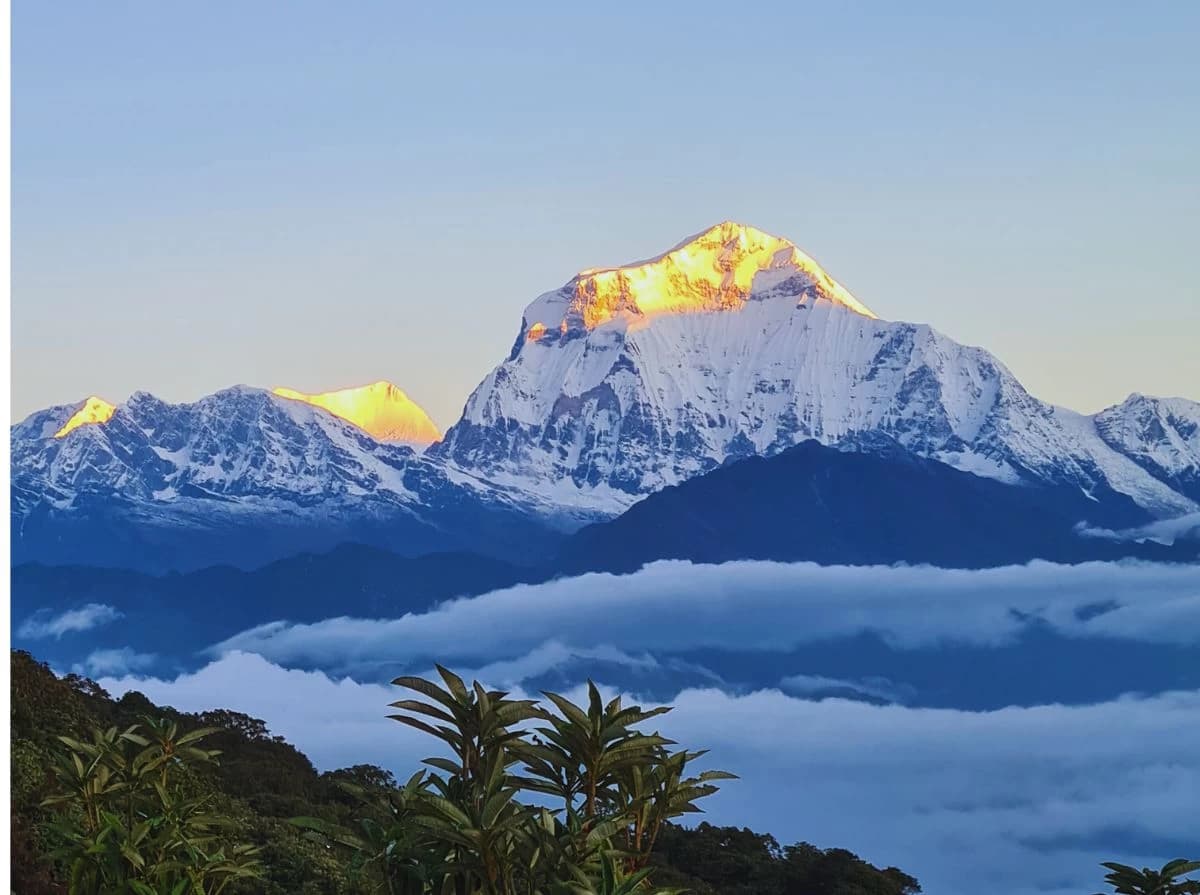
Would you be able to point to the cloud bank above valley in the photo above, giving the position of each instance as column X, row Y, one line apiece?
column 676, row 606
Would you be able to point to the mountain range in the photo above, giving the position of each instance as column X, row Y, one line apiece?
column 849, row 505
column 622, row 383
column 240, row 477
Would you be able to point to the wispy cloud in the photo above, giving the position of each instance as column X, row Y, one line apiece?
column 818, row 685
column 44, row 623
column 1164, row 531
column 553, row 655
column 115, row 661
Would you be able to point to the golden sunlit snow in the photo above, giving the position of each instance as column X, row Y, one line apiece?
column 94, row 410
column 710, row 272
column 381, row 410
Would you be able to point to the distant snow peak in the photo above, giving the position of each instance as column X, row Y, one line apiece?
column 719, row 269
column 380, row 409
column 93, row 410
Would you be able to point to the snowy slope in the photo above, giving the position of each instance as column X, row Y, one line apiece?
column 734, row 343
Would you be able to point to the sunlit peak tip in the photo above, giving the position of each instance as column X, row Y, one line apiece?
column 386, row 387
column 93, row 410
column 715, row 269
column 727, row 232
column 381, row 409
column 381, row 389
column 733, row 229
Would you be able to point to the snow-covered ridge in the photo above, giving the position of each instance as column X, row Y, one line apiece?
column 238, row 442
column 382, row 409
column 241, row 476
column 239, row 447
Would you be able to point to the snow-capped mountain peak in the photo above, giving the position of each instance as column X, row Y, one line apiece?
column 735, row 343
column 380, row 409
column 719, row 269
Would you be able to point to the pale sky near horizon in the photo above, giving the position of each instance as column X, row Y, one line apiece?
column 321, row 196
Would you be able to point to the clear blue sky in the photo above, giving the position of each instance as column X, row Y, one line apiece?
column 321, row 195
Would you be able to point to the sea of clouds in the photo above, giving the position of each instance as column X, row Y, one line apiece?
column 1021, row 798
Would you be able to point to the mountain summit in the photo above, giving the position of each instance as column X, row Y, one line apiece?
column 719, row 269
column 380, row 409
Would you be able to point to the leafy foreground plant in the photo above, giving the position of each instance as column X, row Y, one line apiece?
column 463, row 830
column 1127, row 880
column 128, row 825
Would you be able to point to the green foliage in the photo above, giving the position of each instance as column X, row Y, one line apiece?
column 735, row 861
column 1168, row 880
column 461, row 826
column 611, row 881
column 259, row 783
column 127, row 823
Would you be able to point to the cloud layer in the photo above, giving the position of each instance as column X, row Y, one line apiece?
column 1027, row 798
column 764, row 606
